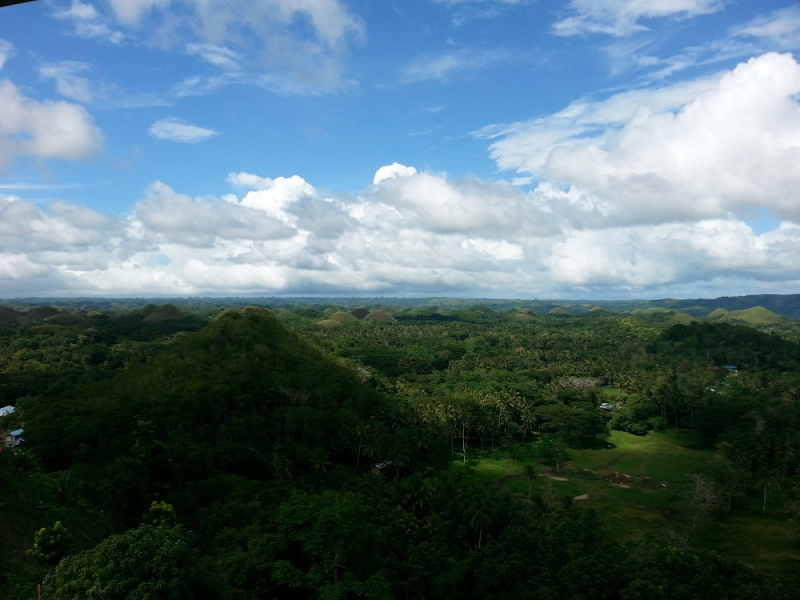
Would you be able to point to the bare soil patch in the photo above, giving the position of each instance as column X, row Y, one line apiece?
column 618, row 478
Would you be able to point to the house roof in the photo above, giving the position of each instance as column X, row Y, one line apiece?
column 6, row 410
column 16, row 432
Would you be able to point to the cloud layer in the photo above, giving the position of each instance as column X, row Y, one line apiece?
column 642, row 193
column 297, row 45
column 411, row 234
column 623, row 17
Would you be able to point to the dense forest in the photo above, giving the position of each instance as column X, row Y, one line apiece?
column 352, row 449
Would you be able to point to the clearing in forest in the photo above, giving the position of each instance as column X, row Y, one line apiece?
column 636, row 486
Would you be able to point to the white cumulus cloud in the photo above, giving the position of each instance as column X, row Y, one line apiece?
column 44, row 129
column 391, row 171
column 703, row 149
column 171, row 217
column 415, row 234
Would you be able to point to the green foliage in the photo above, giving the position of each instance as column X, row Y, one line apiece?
column 50, row 544
column 24, row 462
column 577, row 426
column 260, row 436
column 335, row 546
column 551, row 450
column 140, row 564
column 160, row 513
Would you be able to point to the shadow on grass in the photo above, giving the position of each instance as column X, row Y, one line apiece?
column 597, row 444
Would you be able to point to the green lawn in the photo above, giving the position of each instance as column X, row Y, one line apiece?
column 660, row 465
column 668, row 456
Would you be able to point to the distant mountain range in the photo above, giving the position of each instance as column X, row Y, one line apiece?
column 787, row 305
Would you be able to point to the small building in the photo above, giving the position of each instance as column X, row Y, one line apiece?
column 378, row 468
column 14, row 438
column 731, row 369
column 7, row 410
column 607, row 406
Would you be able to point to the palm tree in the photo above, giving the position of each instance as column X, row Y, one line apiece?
column 530, row 472
column 399, row 457
column 765, row 478
column 360, row 432
column 281, row 466
column 541, row 510
column 320, row 463
column 479, row 522
column 373, row 446
column 528, row 420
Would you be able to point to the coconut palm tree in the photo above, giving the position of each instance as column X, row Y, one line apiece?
column 541, row 510
column 530, row 471
column 479, row 520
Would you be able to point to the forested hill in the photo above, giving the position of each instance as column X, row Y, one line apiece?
column 787, row 305
column 245, row 395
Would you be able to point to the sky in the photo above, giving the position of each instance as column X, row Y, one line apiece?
column 592, row 149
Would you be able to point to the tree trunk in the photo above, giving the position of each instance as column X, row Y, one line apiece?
column 463, row 441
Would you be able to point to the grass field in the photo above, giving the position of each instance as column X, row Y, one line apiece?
column 654, row 471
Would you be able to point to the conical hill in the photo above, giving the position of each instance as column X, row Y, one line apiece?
column 234, row 396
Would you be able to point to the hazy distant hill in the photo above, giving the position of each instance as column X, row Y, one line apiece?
column 28, row 309
column 786, row 305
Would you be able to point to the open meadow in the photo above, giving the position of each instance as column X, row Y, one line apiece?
column 638, row 485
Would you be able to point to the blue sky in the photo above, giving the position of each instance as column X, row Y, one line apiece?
column 489, row 148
